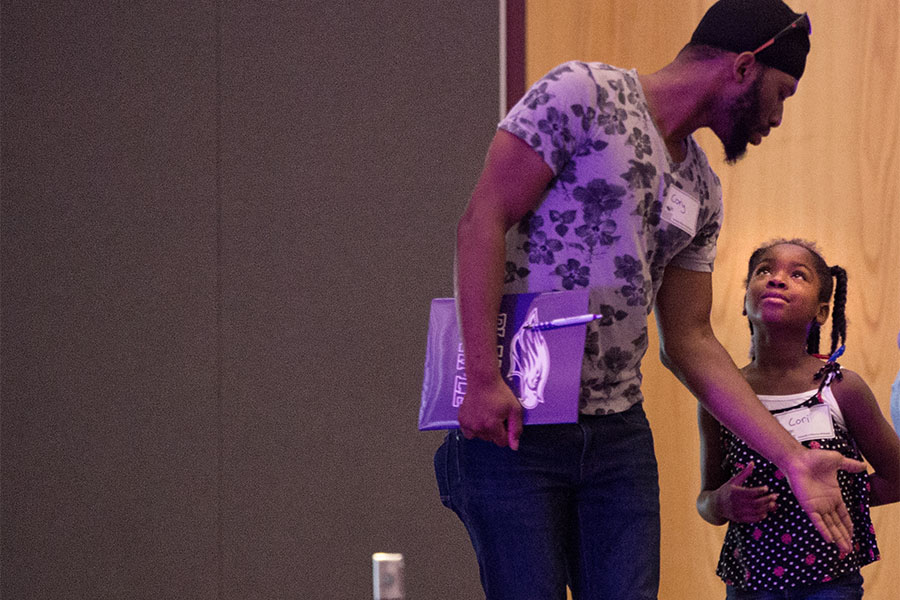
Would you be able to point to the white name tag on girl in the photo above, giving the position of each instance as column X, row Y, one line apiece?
column 680, row 210
column 812, row 423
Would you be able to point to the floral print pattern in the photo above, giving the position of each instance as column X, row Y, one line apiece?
column 601, row 226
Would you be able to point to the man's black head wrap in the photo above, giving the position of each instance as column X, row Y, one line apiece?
column 745, row 25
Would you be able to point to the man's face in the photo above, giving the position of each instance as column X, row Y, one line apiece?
column 756, row 111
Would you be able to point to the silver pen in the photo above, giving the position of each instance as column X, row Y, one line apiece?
column 564, row 322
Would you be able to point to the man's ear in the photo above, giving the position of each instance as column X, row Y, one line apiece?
column 743, row 65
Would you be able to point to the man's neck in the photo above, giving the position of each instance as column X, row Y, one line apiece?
column 680, row 98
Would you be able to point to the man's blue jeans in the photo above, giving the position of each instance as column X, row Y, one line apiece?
column 577, row 504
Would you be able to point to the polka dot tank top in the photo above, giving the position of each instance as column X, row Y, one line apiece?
column 784, row 550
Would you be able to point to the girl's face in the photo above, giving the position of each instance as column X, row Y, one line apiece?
column 784, row 287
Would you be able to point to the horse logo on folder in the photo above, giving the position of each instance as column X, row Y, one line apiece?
column 529, row 361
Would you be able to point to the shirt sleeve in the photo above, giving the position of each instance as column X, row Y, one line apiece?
column 700, row 254
column 556, row 116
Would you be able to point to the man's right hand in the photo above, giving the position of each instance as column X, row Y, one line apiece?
column 491, row 412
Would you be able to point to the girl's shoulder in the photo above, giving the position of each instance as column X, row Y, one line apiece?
column 849, row 388
column 855, row 400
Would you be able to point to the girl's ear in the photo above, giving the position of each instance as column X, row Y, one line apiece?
column 822, row 314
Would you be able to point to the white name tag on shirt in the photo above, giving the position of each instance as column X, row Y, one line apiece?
column 680, row 210
column 812, row 423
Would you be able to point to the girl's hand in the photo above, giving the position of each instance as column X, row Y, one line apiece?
column 744, row 504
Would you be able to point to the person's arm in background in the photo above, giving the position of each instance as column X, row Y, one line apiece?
column 690, row 349
column 512, row 183
column 895, row 398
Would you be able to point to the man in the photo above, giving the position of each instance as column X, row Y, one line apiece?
column 599, row 184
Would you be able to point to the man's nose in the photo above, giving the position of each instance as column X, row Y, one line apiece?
column 775, row 120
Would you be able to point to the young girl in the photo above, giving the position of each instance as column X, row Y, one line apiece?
column 771, row 544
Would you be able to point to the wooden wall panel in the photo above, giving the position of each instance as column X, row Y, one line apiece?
column 830, row 173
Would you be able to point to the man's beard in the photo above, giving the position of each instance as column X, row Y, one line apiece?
column 744, row 114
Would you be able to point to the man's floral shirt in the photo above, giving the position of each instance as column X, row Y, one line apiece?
column 604, row 223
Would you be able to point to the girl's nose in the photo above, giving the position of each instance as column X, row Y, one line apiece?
column 775, row 282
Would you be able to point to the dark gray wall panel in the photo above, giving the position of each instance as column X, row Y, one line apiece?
column 352, row 136
column 220, row 231
column 109, row 435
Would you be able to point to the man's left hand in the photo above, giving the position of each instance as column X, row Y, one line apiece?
column 813, row 479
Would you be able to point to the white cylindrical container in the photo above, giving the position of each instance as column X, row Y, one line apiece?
column 387, row 576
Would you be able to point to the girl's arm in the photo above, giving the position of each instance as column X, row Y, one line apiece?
column 711, row 474
column 722, row 499
column 874, row 436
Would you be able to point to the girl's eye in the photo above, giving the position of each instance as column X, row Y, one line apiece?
column 762, row 270
column 800, row 274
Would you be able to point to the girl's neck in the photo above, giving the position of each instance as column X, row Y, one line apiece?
column 780, row 364
column 778, row 346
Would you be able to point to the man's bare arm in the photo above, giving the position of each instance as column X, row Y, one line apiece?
column 512, row 183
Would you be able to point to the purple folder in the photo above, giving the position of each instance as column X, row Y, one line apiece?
column 542, row 368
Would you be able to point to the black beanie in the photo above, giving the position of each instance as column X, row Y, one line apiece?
column 745, row 25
